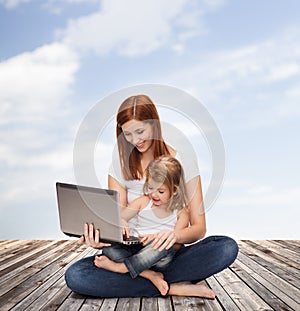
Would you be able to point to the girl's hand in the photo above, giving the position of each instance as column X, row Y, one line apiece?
column 164, row 239
column 125, row 228
column 91, row 237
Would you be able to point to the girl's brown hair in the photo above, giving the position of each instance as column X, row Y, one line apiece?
column 168, row 171
column 140, row 108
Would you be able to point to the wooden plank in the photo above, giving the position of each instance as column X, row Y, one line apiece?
column 288, row 254
column 19, row 250
column 92, row 304
column 61, row 295
column 49, row 271
column 286, row 292
column 296, row 242
column 54, row 302
column 20, row 258
column 188, row 303
column 241, row 294
column 73, row 302
column 212, row 305
column 251, row 249
column 35, row 301
column 286, row 246
column 164, row 304
column 264, row 289
column 264, row 277
column 222, row 296
column 282, row 269
column 4, row 244
column 290, row 244
column 22, row 274
column 109, row 304
column 129, row 304
column 259, row 245
column 20, row 270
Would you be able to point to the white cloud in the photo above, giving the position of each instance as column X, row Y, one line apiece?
column 58, row 6
column 38, row 173
column 256, row 196
column 266, row 73
column 256, row 211
column 34, row 139
column 72, row 1
column 34, row 84
column 11, row 4
column 136, row 27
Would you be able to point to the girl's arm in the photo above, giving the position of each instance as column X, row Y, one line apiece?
column 133, row 208
column 129, row 212
column 165, row 239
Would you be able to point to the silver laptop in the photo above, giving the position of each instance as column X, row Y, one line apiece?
column 78, row 205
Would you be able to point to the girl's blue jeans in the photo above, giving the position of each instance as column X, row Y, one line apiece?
column 193, row 263
column 138, row 258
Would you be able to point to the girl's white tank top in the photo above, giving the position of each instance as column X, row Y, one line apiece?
column 148, row 222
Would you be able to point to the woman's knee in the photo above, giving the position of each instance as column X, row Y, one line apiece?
column 77, row 273
column 73, row 276
column 229, row 250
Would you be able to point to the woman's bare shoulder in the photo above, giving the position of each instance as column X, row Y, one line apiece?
column 172, row 151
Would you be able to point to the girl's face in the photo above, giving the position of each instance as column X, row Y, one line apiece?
column 159, row 193
column 139, row 134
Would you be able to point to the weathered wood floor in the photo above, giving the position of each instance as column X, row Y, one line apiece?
column 264, row 277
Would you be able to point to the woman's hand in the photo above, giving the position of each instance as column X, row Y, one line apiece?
column 147, row 238
column 164, row 239
column 91, row 237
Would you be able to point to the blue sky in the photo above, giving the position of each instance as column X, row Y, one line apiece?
column 240, row 59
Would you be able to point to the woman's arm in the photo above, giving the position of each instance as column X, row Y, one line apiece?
column 182, row 220
column 197, row 228
column 113, row 184
column 91, row 237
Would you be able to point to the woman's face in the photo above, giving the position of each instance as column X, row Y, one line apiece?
column 139, row 134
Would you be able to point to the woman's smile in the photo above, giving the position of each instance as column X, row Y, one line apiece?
column 140, row 145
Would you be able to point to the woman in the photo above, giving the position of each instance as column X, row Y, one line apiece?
column 139, row 142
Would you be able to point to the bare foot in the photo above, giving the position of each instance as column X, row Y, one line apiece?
column 189, row 289
column 107, row 264
column 157, row 279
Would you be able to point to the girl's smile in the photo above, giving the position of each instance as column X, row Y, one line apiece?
column 158, row 193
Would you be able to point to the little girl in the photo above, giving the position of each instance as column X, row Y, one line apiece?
column 163, row 207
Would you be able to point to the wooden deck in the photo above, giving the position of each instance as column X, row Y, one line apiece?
column 264, row 277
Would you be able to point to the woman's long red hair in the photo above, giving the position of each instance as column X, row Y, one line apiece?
column 140, row 108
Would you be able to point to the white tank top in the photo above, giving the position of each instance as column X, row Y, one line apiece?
column 148, row 222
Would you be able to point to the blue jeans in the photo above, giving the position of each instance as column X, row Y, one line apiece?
column 138, row 258
column 193, row 263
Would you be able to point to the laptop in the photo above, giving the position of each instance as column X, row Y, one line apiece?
column 78, row 205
